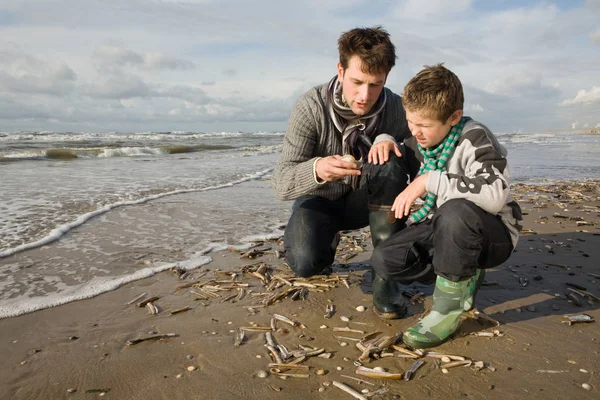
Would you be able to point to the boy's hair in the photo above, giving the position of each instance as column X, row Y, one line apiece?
column 435, row 91
column 372, row 45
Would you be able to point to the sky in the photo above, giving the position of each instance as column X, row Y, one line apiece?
column 238, row 65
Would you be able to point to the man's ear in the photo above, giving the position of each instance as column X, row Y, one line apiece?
column 340, row 69
column 455, row 117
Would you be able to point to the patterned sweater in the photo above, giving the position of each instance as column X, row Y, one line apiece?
column 311, row 134
column 477, row 171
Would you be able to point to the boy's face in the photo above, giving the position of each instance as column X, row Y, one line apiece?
column 360, row 89
column 430, row 132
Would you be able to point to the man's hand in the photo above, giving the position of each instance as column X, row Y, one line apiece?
column 380, row 152
column 416, row 189
column 333, row 168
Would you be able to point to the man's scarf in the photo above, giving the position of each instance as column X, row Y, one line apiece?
column 358, row 132
column 435, row 159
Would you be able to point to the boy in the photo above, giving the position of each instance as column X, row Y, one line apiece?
column 468, row 221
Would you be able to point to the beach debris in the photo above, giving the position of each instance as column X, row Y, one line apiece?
column 240, row 335
column 361, row 308
column 494, row 333
column 141, row 296
column 454, row 364
column 476, row 314
column 192, row 368
column 261, row 374
column 256, row 328
column 180, row 310
column 347, row 329
column 551, row 371
column 579, row 318
column 408, row 374
column 152, row 309
column 586, row 386
column 98, row 390
column 71, row 390
column 152, row 337
column 349, row 390
column 574, row 299
column 345, row 319
column 375, row 373
column 583, row 292
column 289, row 321
column 321, row 372
column 74, row 337
column 148, row 300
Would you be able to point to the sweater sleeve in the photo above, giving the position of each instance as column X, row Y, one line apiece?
column 485, row 180
column 294, row 174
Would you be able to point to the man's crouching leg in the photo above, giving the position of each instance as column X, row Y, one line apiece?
column 384, row 182
column 311, row 235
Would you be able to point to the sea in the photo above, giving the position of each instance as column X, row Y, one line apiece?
column 84, row 213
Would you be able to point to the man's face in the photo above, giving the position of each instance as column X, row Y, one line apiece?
column 360, row 89
column 430, row 132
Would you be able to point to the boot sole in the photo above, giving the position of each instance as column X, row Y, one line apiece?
column 390, row 314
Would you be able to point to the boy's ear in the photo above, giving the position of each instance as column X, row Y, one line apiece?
column 455, row 117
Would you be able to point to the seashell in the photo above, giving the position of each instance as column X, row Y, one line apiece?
column 192, row 368
column 360, row 308
column 586, row 386
column 261, row 374
column 345, row 319
column 321, row 372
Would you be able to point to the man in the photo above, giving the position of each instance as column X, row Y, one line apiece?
column 352, row 114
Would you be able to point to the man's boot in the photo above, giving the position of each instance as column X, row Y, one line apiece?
column 387, row 295
column 450, row 300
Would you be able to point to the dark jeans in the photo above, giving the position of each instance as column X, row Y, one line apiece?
column 311, row 231
column 460, row 238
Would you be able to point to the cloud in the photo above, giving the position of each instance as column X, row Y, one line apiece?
column 111, row 55
column 24, row 74
column 584, row 97
column 473, row 107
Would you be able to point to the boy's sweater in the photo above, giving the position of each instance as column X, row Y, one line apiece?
column 477, row 171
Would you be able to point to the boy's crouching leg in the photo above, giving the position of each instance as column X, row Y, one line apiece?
column 466, row 240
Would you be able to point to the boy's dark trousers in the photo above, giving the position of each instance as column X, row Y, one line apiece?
column 460, row 238
column 311, row 234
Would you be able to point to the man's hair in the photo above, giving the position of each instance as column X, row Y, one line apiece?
column 372, row 45
column 435, row 91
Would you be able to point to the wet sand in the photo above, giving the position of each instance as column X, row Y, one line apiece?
column 83, row 345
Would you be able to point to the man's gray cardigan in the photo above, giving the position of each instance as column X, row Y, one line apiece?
column 311, row 134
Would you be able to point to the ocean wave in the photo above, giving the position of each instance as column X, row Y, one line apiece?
column 59, row 231
column 112, row 150
column 95, row 287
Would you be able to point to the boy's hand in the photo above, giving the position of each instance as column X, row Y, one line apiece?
column 416, row 189
column 333, row 168
column 380, row 152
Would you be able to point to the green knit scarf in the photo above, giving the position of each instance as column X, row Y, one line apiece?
column 435, row 159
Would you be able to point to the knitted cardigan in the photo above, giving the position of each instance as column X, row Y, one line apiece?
column 311, row 134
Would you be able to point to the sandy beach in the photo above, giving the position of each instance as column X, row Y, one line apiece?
column 80, row 349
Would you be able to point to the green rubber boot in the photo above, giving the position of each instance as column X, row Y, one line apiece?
column 388, row 302
column 387, row 295
column 450, row 300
